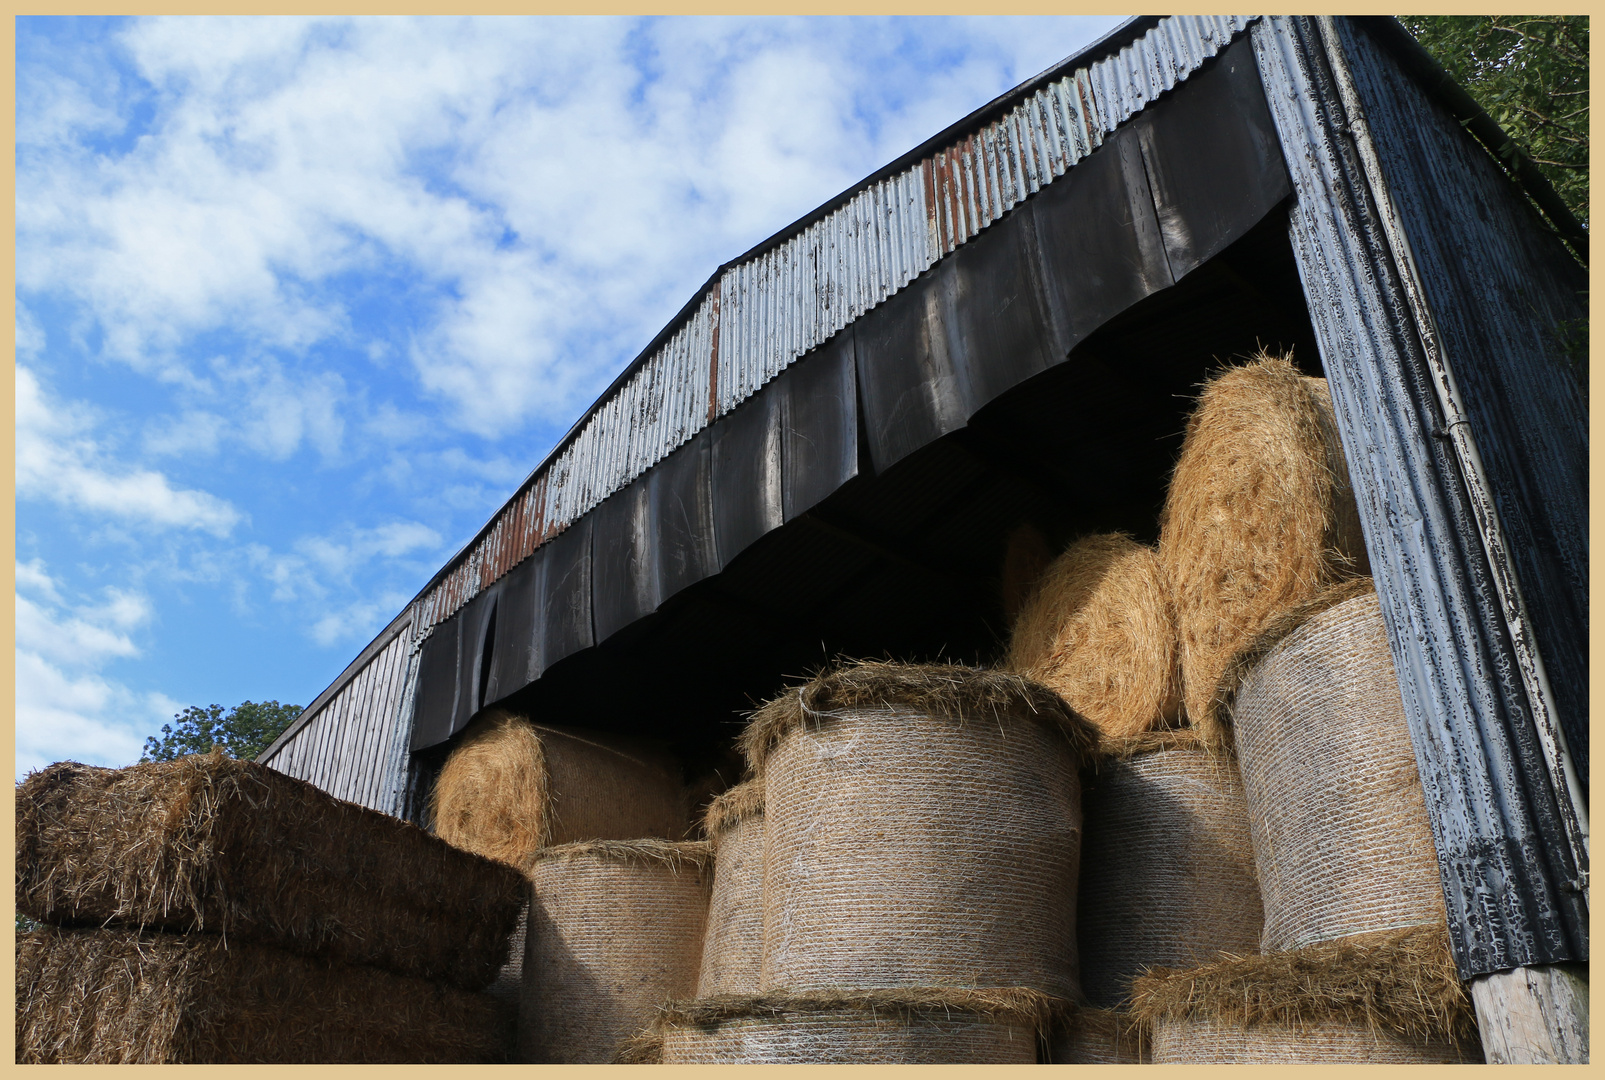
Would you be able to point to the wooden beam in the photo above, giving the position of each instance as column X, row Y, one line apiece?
column 1533, row 1015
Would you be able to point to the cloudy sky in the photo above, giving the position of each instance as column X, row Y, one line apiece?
column 299, row 303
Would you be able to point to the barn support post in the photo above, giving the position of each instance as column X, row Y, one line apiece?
column 1507, row 821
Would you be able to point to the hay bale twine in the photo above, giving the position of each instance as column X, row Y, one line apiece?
column 923, row 825
column 1167, row 867
column 1342, row 843
column 1388, row 997
column 1202, row 1042
column 1099, row 630
column 512, row 786
column 118, row 996
column 939, row 1026
column 615, row 929
column 732, row 950
column 1259, row 517
column 1097, row 1037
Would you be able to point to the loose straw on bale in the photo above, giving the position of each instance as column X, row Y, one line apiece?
column 1391, row 996
column 209, row 843
column 615, row 929
column 732, row 950
column 1167, row 866
column 1342, row 841
column 922, row 825
column 1099, row 630
column 1089, row 1036
column 913, row 1026
column 512, row 787
column 126, row 997
column 1258, row 518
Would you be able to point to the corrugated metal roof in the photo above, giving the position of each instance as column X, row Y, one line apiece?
column 764, row 312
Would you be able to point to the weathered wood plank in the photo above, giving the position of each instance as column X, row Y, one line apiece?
column 1533, row 1015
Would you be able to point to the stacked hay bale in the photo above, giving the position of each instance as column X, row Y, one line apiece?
column 615, row 929
column 732, row 951
column 1167, row 867
column 1389, row 997
column 1259, row 517
column 921, row 827
column 241, row 915
column 512, row 787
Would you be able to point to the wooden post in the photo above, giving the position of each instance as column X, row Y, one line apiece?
column 1533, row 1015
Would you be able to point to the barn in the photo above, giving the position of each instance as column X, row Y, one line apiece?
column 824, row 452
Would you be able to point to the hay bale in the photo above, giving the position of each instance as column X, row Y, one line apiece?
column 1167, row 867
column 208, row 843
column 126, row 996
column 1342, row 842
column 512, row 786
column 732, row 949
column 922, row 826
column 1258, row 518
column 926, row 1026
column 1099, row 630
column 1090, row 1036
column 1392, row 996
column 615, row 929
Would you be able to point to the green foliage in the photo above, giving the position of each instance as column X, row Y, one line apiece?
column 244, row 732
column 1530, row 72
column 25, row 925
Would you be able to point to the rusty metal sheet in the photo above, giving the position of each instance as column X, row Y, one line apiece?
column 1213, row 161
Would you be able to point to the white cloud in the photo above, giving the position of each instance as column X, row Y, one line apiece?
column 358, row 621
column 59, row 462
column 66, row 708
column 318, row 565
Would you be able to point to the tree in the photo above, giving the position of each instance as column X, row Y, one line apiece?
column 1530, row 73
column 244, row 732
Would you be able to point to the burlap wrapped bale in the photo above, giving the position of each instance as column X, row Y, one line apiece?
column 732, row 950
column 923, row 825
column 1387, row 997
column 1090, row 1036
column 615, row 930
column 1100, row 631
column 1342, row 843
column 1167, row 868
column 124, row 996
column 208, row 843
column 1259, row 517
column 512, row 786
column 910, row 1027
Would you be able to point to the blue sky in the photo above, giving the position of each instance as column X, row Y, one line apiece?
column 300, row 302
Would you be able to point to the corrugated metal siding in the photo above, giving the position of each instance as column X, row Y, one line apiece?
column 764, row 313
column 354, row 746
column 1503, row 854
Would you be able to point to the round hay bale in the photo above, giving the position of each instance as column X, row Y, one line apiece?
column 923, row 824
column 1259, row 517
column 1201, row 1042
column 1100, row 631
column 732, row 950
column 1167, row 867
column 615, row 929
column 1391, row 996
column 511, row 787
column 1342, row 842
column 1097, row 1037
column 912, row 1027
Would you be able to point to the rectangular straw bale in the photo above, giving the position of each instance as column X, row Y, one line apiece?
column 208, row 843
column 126, row 997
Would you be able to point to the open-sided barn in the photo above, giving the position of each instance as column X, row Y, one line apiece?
column 823, row 453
